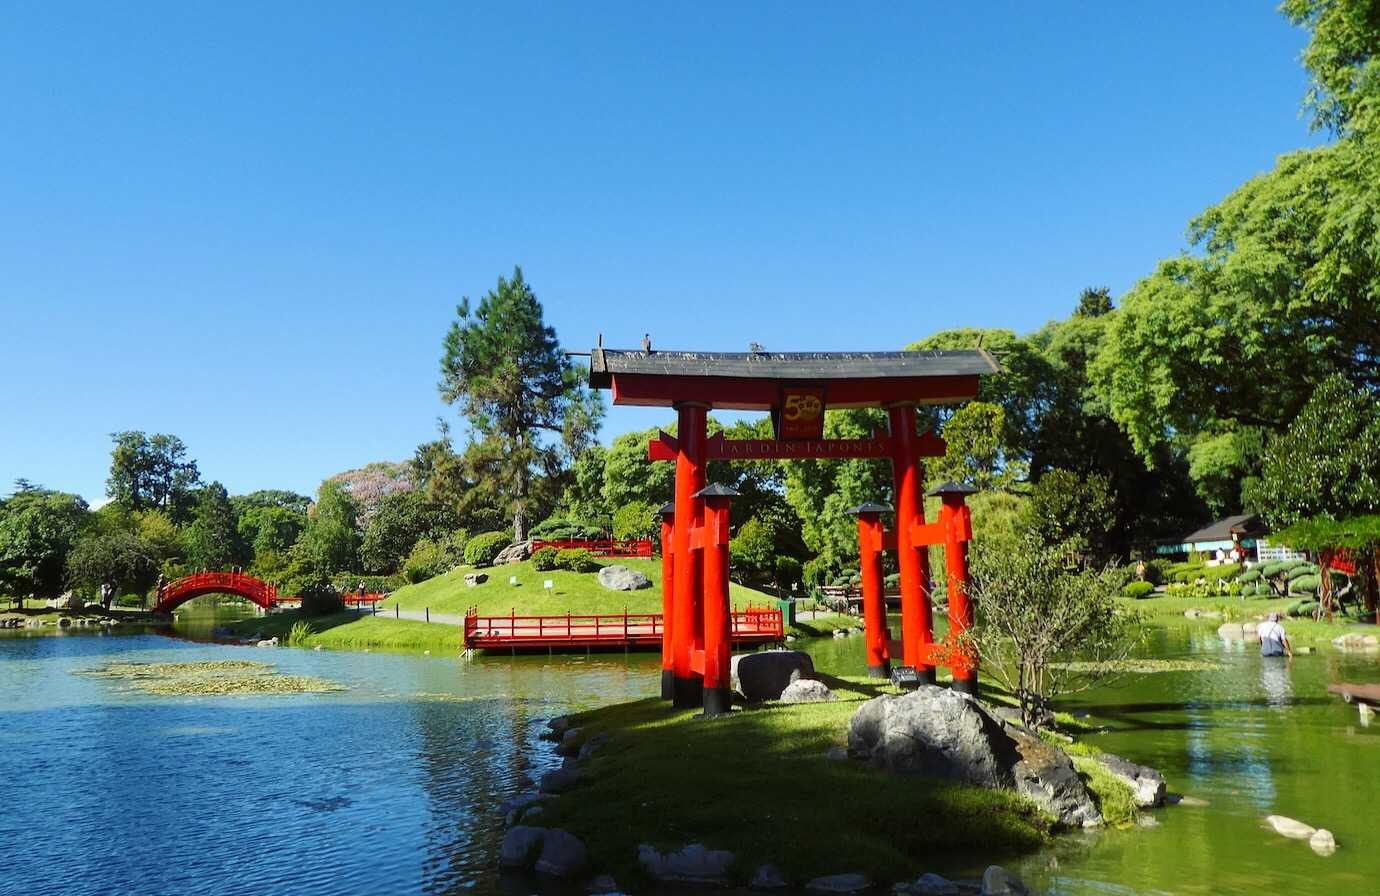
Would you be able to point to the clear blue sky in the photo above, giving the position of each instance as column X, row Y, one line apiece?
column 249, row 224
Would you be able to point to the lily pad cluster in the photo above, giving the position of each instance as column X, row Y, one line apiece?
column 211, row 679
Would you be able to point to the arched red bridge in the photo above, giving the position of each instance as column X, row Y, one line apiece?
column 178, row 592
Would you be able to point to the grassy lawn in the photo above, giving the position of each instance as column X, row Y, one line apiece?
column 823, row 626
column 349, row 631
column 1301, row 631
column 572, row 592
column 760, row 782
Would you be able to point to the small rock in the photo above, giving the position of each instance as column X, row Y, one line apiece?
column 1231, row 631
column 620, row 578
column 561, row 780
column 840, row 633
column 513, row 808
column 604, row 883
column 768, row 877
column 1146, row 783
column 271, row 642
column 807, row 690
column 839, row 883
column 1322, row 842
column 570, row 742
column 1290, row 827
column 592, row 744
column 997, row 881
column 476, row 578
column 791, row 639
column 562, row 854
column 1190, row 802
column 691, row 865
column 317, row 647
column 556, row 728
column 520, row 847
column 933, row 885
column 531, row 814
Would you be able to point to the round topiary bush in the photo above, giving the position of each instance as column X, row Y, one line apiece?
column 578, row 560
column 484, row 548
column 1270, row 570
column 1303, row 608
column 1306, row 569
column 892, row 581
column 1250, row 575
column 1138, row 590
column 545, row 559
column 1303, row 585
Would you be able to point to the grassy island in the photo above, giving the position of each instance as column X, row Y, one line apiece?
column 770, row 784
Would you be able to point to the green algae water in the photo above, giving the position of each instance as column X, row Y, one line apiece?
column 1242, row 737
column 391, row 784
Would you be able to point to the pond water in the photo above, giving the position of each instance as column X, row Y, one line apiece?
column 390, row 785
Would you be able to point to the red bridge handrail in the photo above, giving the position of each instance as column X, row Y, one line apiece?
column 629, row 547
column 179, row 591
column 753, row 625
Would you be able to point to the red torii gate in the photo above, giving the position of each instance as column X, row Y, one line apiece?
column 796, row 388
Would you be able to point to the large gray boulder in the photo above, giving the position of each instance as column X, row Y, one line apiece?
column 765, row 675
column 514, row 553
column 693, row 864
column 620, row 578
column 942, row 733
column 933, row 731
column 562, row 779
column 1146, row 783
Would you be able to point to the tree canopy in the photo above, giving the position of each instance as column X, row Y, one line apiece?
column 152, row 472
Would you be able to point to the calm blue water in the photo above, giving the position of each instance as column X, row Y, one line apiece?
column 389, row 787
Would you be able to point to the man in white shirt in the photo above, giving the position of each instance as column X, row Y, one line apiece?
column 1273, row 640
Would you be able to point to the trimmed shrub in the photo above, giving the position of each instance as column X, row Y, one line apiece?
column 430, row 559
column 1299, row 572
column 545, row 559
column 1272, row 569
column 578, row 560
column 564, row 529
column 1157, row 571
column 1221, row 572
column 892, row 581
column 1138, row 590
column 1304, row 585
column 636, row 519
column 1303, row 608
column 485, row 547
column 1250, row 575
column 788, row 572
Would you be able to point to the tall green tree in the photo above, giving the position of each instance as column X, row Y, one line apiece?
column 212, row 540
column 1341, row 56
column 525, row 402
column 153, row 473
column 38, row 528
column 1327, row 464
column 331, row 541
column 401, row 520
column 122, row 561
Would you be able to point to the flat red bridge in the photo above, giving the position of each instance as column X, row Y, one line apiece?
column 512, row 632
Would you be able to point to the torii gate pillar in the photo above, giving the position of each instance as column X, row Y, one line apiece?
column 917, row 618
column 668, row 600
column 687, row 624
column 871, row 543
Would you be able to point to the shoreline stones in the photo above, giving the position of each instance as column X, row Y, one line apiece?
column 1290, row 827
column 548, row 851
column 474, row 579
column 693, row 864
column 997, row 881
column 514, row 553
column 768, row 877
column 838, row 884
column 1322, row 842
column 1146, row 784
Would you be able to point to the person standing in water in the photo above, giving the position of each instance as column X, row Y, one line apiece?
column 1273, row 640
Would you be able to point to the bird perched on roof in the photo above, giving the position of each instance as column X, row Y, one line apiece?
column 756, row 348
column 647, row 343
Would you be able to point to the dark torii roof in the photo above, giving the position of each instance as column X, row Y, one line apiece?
column 752, row 380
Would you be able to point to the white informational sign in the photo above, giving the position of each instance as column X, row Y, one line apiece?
column 548, row 584
column 512, row 580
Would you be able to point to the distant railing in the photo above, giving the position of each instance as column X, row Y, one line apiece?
column 628, row 547
column 755, row 625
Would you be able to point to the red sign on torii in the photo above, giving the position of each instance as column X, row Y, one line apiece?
column 796, row 388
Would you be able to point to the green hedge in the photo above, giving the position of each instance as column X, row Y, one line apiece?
column 1304, row 585
column 1138, row 590
column 1303, row 608
column 485, row 547
column 1306, row 569
column 578, row 560
column 1250, row 575
column 1221, row 572
column 545, row 559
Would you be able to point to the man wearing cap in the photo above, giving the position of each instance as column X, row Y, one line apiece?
column 1273, row 640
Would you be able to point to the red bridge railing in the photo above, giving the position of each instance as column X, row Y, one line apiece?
column 184, row 589
column 750, row 626
column 631, row 547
